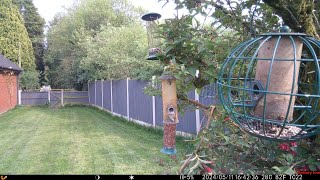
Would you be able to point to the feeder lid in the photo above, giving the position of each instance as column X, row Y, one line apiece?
column 283, row 34
column 284, row 31
column 167, row 77
column 151, row 16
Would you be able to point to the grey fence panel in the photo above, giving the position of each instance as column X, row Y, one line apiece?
column 91, row 93
column 119, row 97
column 99, row 94
column 208, row 96
column 34, row 98
column 76, row 97
column 107, row 95
column 159, row 112
column 41, row 98
column 140, row 104
column 187, row 121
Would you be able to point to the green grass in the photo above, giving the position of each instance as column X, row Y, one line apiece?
column 80, row 140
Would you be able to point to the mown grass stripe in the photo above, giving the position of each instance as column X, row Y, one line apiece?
column 79, row 140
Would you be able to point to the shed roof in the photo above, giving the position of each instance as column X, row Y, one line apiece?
column 7, row 64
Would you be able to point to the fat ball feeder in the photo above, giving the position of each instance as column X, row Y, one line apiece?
column 264, row 88
column 150, row 18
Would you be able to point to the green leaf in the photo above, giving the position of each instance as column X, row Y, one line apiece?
column 206, row 162
column 312, row 167
column 179, row 41
column 284, row 170
column 194, row 167
column 180, row 6
column 289, row 158
column 192, row 70
column 198, row 90
column 311, row 161
column 276, row 168
column 168, row 49
column 243, row 143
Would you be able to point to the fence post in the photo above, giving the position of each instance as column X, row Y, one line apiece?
column 111, row 99
column 62, row 97
column 89, row 93
column 49, row 96
column 153, row 103
column 196, row 97
column 102, row 93
column 19, row 97
column 95, row 92
column 128, row 106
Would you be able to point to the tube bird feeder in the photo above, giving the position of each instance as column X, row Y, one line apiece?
column 170, row 114
column 270, row 86
column 151, row 18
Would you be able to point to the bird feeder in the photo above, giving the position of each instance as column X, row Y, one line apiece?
column 151, row 18
column 270, row 86
column 170, row 114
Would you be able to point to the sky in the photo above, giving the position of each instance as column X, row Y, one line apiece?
column 48, row 8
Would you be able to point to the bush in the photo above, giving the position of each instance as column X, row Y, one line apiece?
column 29, row 80
column 224, row 149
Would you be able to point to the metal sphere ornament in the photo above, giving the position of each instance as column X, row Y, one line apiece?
column 270, row 86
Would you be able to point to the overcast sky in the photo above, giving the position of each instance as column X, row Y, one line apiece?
column 48, row 8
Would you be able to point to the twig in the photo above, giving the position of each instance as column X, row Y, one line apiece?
column 207, row 127
column 303, row 160
column 316, row 20
column 205, row 19
column 196, row 103
column 292, row 16
column 252, row 31
column 187, row 162
column 231, row 8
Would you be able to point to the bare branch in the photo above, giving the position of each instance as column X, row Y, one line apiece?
column 316, row 20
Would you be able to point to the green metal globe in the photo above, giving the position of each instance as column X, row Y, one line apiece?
column 270, row 86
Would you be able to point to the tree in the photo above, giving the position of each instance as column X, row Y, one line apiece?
column 222, row 147
column 34, row 24
column 96, row 39
column 14, row 41
column 202, row 48
column 126, row 47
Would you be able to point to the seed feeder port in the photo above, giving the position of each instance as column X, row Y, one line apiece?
column 263, row 86
column 150, row 19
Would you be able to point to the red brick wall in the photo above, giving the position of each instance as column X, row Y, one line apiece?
column 8, row 91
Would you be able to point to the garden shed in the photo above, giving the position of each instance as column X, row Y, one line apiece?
column 9, row 73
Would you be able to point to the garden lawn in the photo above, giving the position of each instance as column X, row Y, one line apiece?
column 80, row 140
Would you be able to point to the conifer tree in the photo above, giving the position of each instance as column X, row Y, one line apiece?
column 34, row 24
column 15, row 43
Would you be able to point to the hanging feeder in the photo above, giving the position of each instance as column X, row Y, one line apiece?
column 150, row 18
column 270, row 86
column 170, row 114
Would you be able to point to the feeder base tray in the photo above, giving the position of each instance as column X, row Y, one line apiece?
column 168, row 151
column 272, row 131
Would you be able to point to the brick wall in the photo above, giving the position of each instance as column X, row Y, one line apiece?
column 8, row 91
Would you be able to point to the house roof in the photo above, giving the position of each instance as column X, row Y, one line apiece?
column 7, row 64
